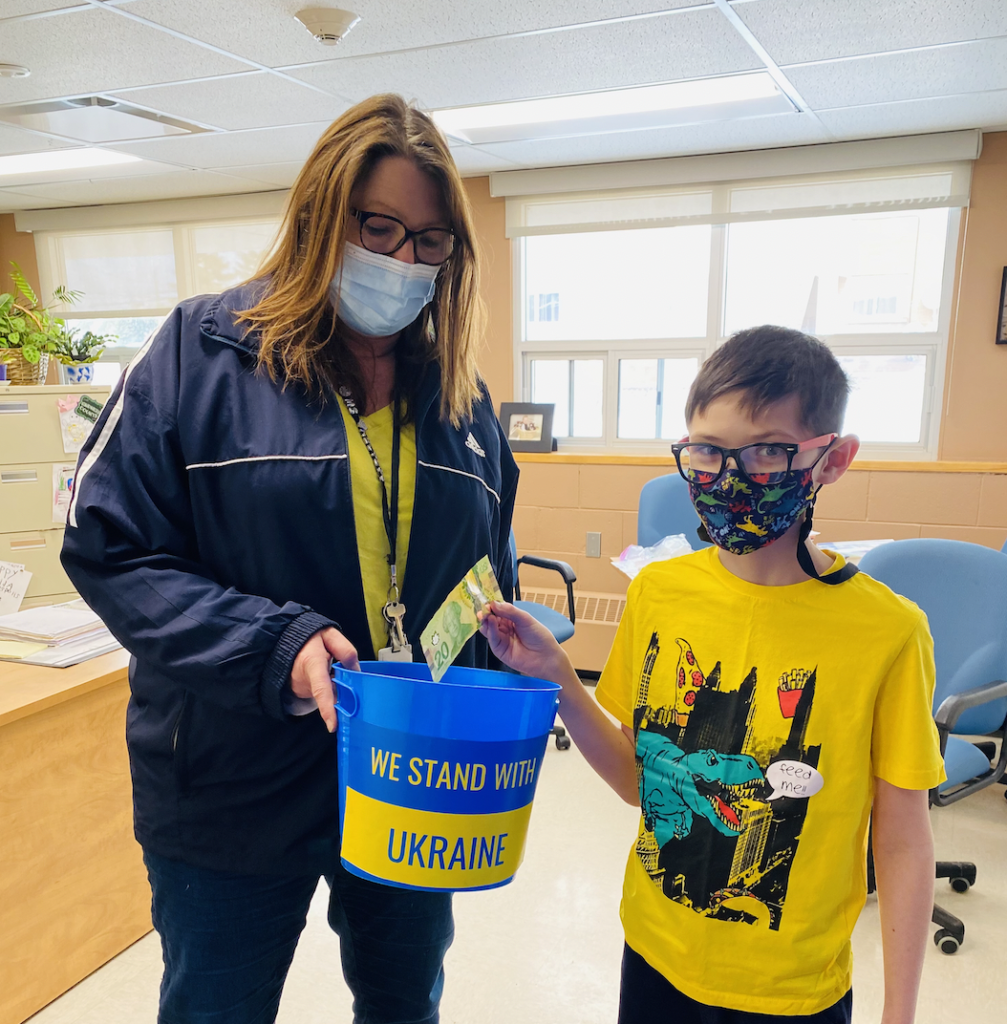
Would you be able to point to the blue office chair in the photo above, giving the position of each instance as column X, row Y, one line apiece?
column 666, row 509
column 963, row 590
column 561, row 626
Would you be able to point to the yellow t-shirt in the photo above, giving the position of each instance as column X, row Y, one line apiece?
column 740, row 895
column 372, row 542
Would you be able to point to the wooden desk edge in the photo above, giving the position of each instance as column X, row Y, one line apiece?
column 28, row 689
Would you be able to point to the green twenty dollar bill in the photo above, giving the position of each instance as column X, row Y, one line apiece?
column 458, row 618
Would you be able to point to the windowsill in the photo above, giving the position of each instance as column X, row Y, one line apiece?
column 869, row 465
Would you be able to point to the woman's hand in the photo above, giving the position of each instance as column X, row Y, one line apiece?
column 311, row 674
column 521, row 642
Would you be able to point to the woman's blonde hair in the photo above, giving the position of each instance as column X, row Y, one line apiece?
column 298, row 337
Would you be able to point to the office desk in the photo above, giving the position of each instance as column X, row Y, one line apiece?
column 73, row 888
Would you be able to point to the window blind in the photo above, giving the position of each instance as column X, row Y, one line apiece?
column 827, row 194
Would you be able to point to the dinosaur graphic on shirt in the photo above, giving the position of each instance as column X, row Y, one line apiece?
column 675, row 787
column 712, row 839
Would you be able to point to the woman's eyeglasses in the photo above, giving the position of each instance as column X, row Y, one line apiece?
column 386, row 235
column 704, row 464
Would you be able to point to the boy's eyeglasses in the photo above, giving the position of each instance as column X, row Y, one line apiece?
column 385, row 235
column 704, row 464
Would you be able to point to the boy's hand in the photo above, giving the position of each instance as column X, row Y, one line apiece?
column 521, row 642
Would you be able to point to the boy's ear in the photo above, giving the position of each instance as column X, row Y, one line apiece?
column 837, row 462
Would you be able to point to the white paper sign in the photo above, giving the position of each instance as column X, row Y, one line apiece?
column 74, row 427
column 62, row 490
column 14, row 580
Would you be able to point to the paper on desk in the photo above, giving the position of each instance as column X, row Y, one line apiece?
column 14, row 580
column 62, row 489
column 15, row 650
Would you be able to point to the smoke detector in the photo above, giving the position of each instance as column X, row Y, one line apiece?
column 328, row 25
column 13, row 71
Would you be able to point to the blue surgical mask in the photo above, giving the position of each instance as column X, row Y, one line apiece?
column 378, row 295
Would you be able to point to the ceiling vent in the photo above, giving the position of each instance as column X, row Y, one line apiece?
column 94, row 119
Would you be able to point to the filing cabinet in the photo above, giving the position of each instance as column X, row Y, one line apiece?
column 30, row 445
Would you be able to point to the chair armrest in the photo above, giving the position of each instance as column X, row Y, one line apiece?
column 563, row 568
column 953, row 707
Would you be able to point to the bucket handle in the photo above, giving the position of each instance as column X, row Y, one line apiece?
column 347, row 702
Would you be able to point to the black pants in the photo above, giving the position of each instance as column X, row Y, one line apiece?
column 647, row 997
column 228, row 940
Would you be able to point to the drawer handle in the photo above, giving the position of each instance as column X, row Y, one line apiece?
column 25, row 476
column 13, row 407
column 27, row 543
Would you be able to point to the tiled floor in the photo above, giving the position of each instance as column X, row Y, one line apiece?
column 546, row 948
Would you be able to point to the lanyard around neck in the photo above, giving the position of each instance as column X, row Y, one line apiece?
column 389, row 506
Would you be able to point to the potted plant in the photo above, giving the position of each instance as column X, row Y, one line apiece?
column 77, row 352
column 28, row 331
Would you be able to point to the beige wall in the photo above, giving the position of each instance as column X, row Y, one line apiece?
column 975, row 413
column 19, row 247
column 496, row 361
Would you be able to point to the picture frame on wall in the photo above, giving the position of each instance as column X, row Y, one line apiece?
column 1002, row 315
column 528, row 425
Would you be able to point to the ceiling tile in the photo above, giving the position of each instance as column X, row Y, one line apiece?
column 178, row 184
column 798, row 30
column 718, row 137
column 691, row 45
column 473, row 160
column 934, row 114
column 948, row 70
column 231, row 149
column 16, row 140
column 266, row 31
column 17, row 8
column 256, row 100
column 139, row 168
column 11, row 201
column 95, row 51
column 279, row 175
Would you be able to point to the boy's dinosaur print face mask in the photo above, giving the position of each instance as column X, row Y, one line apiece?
column 742, row 516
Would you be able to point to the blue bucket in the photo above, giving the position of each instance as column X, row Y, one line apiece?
column 436, row 780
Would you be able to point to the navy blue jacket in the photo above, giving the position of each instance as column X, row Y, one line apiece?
column 212, row 529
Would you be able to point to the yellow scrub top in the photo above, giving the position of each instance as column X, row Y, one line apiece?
column 372, row 542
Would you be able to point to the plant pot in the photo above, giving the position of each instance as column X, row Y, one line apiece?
column 20, row 371
column 79, row 373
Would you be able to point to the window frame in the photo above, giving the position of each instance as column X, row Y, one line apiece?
column 933, row 344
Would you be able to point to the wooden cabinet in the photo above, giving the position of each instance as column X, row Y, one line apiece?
column 30, row 445
column 73, row 888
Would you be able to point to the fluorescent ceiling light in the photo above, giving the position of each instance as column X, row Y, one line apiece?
column 94, row 119
column 650, row 106
column 62, row 160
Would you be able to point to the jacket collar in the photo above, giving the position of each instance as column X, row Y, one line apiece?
column 220, row 322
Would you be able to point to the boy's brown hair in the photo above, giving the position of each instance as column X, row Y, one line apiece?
column 766, row 364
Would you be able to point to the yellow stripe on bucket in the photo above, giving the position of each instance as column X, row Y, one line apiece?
column 430, row 849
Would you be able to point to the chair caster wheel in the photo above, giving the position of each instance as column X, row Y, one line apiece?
column 960, row 884
column 946, row 942
column 562, row 742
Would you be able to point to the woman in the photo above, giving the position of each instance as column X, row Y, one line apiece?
column 292, row 472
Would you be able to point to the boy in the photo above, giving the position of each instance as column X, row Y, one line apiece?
column 771, row 701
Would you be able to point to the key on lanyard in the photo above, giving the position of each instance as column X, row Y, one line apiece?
column 398, row 650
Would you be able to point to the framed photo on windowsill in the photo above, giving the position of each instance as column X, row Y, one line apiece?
column 528, row 425
column 1002, row 316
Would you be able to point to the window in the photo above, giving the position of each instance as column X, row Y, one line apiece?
column 130, row 278
column 574, row 386
column 624, row 294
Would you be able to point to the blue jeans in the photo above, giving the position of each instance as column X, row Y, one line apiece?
column 228, row 941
